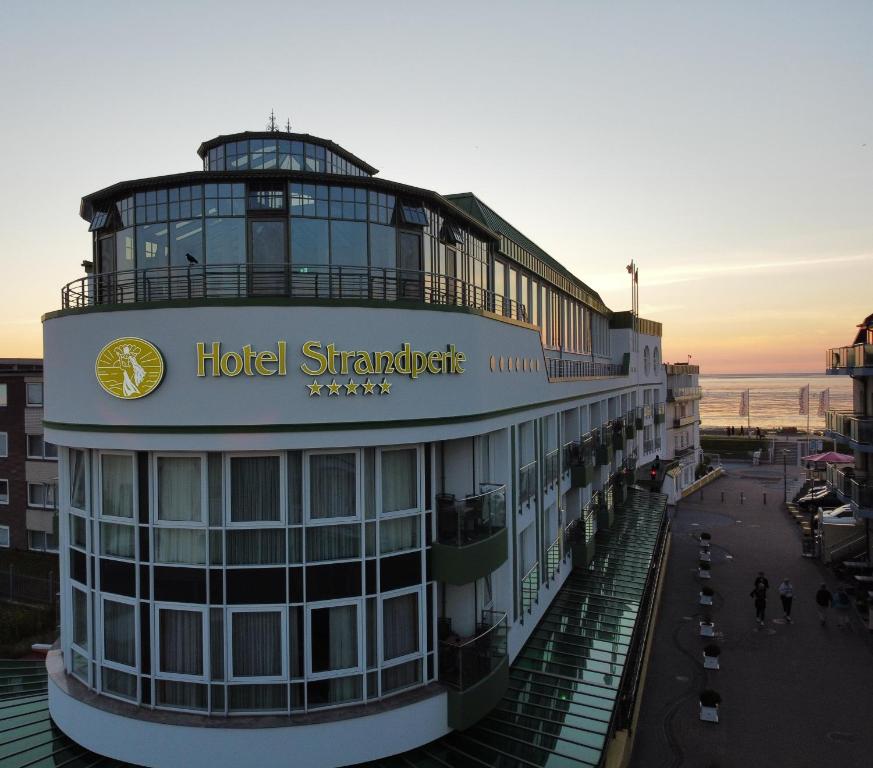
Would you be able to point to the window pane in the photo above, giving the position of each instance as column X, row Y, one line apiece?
column 256, row 547
column 383, row 246
column 397, row 535
column 116, row 540
column 179, row 488
column 332, row 484
column 324, row 693
column 348, row 243
column 399, row 480
column 34, row 393
column 2, row 395
column 173, row 693
column 120, row 683
column 180, row 545
column 119, row 633
column 77, row 479
column 244, row 698
column 77, row 531
column 181, row 641
column 333, row 542
column 80, row 619
column 34, row 446
column 254, row 488
column 400, row 626
column 117, row 485
column 225, row 241
column 334, row 638
column 152, row 246
column 257, row 644
column 401, row 676
column 309, row 242
column 186, row 238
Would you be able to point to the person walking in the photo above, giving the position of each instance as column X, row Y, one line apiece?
column 823, row 600
column 786, row 595
column 760, row 595
column 761, row 580
column 842, row 604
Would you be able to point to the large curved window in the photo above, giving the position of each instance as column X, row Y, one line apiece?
column 283, row 154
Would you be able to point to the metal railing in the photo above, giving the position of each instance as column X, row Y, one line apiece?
column 527, row 483
column 554, row 555
column 550, row 467
column 856, row 427
column 684, row 421
column 466, row 661
column 852, row 485
column 581, row 369
column 473, row 518
column 684, row 393
column 569, row 455
column 24, row 588
column 856, row 356
column 647, row 412
column 304, row 281
column 530, row 587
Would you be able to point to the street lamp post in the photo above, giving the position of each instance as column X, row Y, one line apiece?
column 785, row 475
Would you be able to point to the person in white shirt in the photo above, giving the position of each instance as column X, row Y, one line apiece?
column 786, row 595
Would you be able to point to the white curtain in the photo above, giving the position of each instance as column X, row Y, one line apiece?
column 117, row 540
column 334, row 638
column 399, row 626
column 77, row 479
column 256, row 638
column 256, row 547
column 398, row 534
column 179, row 488
column 180, row 545
column 181, row 641
column 254, row 488
column 173, row 693
column 119, row 633
column 117, row 486
column 333, row 542
column 399, row 480
column 401, row 676
column 243, row 698
column 122, row 683
column 332, row 484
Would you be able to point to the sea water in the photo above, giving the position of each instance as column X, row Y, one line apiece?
column 773, row 399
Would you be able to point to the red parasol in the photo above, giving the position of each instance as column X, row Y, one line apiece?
column 830, row 457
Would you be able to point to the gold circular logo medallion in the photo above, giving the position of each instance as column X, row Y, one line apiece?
column 129, row 368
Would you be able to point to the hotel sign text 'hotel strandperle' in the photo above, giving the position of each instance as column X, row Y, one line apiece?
column 326, row 361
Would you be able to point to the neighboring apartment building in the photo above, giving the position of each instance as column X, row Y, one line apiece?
column 683, row 428
column 28, row 464
column 854, row 484
column 339, row 433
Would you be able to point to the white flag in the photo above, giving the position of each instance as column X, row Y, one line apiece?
column 824, row 401
column 744, row 403
column 803, row 398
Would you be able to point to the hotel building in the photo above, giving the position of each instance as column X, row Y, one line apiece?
column 854, row 484
column 683, row 428
column 330, row 446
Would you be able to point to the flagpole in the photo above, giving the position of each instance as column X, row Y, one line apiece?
column 748, row 410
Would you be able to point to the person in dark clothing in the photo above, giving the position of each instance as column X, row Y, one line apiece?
column 760, row 595
column 786, row 595
column 823, row 599
column 760, row 580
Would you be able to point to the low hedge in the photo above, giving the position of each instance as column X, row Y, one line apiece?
column 20, row 623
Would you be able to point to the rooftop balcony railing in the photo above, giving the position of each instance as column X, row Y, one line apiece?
column 291, row 281
column 465, row 661
column 844, row 359
column 475, row 517
column 856, row 427
column 581, row 369
column 853, row 486
column 684, row 393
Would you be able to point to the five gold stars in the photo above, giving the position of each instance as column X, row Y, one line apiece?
column 351, row 387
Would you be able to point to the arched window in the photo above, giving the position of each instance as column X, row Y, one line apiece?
column 646, row 360
column 656, row 359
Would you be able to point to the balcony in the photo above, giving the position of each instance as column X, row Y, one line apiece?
column 648, row 446
column 852, row 486
column 530, row 587
column 527, row 484
column 475, row 669
column 554, row 555
column 684, row 421
column 647, row 414
column 551, row 468
column 660, row 413
column 471, row 535
column 630, row 428
column 617, row 428
column 203, row 283
column 681, row 453
column 680, row 394
column 559, row 369
column 854, row 360
column 581, row 462
column 857, row 429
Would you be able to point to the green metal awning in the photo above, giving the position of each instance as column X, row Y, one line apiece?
column 564, row 684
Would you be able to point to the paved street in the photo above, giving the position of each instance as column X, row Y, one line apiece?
column 794, row 695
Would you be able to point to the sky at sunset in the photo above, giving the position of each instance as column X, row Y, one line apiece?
column 726, row 148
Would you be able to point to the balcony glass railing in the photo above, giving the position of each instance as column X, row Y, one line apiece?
column 530, row 585
column 223, row 281
column 684, row 421
column 684, row 393
column 550, row 468
column 851, row 485
column 581, row 369
column 464, row 661
column 473, row 518
column 856, row 356
column 857, row 428
column 527, row 483
column 554, row 554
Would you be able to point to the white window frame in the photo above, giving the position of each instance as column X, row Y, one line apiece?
column 98, row 548
column 283, row 491
column 228, row 643
column 46, row 504
column 70, row 541
column 4, row 498
column 388, row 663
column 88, row 624
column 160, row 674
column 359, row 494
column 87, row 455
column 8, row 537
column 114, row 518
column 419, row 480
column 4, row 445
column 28, row 402
column 204, row 491
column 100, row 651
column 358, row 602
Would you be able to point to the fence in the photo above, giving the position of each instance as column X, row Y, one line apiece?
column 18, row 587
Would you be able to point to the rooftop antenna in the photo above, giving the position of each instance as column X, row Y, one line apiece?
column 271, row 126
column 288, row 125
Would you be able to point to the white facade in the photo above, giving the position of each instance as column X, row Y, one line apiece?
column 683, row 427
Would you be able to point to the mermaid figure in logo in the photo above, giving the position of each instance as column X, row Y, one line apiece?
column 126, row 360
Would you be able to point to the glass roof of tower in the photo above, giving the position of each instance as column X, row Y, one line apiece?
column 563, row 686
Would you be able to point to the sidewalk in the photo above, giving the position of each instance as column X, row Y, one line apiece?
column 793, row 695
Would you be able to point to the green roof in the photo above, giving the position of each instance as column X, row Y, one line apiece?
column 473, row 206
